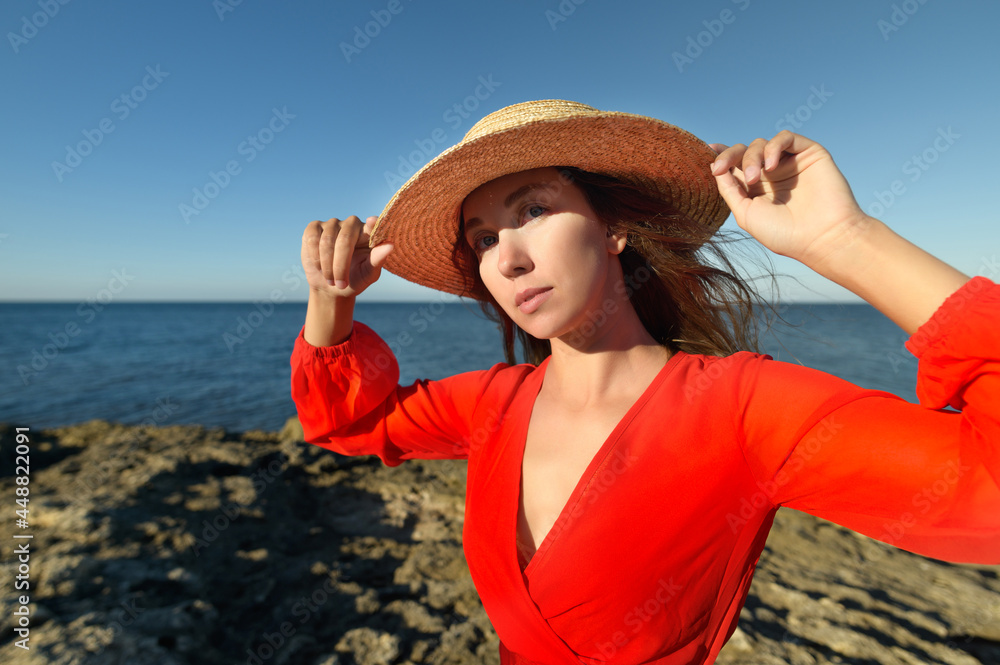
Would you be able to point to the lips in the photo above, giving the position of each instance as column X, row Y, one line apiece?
column 530, row 299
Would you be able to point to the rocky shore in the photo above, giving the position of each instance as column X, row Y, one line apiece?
column 190, row 545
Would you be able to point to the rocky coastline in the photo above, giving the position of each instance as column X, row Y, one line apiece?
column 182, row 544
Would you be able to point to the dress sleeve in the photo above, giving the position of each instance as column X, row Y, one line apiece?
column 917, row 476
column 348, row 401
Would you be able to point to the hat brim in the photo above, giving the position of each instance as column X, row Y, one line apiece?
column 422, row 218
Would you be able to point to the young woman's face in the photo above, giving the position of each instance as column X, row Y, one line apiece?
column 543, row 254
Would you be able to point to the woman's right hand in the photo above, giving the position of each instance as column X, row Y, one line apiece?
column 336, row 257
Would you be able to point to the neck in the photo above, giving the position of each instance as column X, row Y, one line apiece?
column 598, row 362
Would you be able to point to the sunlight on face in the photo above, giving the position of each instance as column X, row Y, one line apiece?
column 543, row 254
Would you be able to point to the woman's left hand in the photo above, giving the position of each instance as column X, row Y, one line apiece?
column 790, row 196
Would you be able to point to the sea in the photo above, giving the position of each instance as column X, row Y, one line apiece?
column 226, row 365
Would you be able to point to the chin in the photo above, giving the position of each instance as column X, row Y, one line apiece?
column 556, row 323
column 551, row 330
column 537, row 328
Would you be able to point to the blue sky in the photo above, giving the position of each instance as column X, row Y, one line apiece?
column 116, row 114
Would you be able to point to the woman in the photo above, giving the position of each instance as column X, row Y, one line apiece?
column 641, row 456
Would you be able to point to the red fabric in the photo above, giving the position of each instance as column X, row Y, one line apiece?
column 653, row 555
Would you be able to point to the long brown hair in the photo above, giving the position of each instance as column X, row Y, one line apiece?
column 683, row 286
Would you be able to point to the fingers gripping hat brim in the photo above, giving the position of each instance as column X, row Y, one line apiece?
column 422, row 218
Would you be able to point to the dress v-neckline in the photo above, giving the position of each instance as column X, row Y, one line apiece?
column 585, row 479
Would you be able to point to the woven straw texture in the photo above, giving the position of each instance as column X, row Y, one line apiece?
column 422, row 218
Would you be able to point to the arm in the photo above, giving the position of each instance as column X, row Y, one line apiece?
column 348, row 401
column 344, row 377
column 338, row 266
column 789, row 194
column 914, row 476
column 910, row 475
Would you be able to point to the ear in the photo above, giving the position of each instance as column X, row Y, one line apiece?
column 616, row 241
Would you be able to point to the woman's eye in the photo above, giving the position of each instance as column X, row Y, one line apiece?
column 532, row 212
column 484, row 242
column 535, row 211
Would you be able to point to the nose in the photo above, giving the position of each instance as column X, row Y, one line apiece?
column 513, row 256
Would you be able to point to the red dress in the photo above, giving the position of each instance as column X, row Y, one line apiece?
column 651, row 558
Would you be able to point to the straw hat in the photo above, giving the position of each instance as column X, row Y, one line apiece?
column 422, row 218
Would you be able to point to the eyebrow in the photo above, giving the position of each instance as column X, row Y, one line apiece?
column 508, row 202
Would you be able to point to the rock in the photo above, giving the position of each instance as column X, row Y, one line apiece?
column 370, row 647
column 739, row 642
column 292, row 431
column 193, row 546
